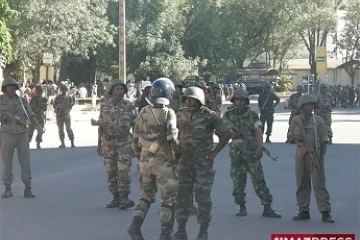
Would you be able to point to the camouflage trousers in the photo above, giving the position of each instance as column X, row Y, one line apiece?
column 117, row 163
column 156, row 172
column 199, row 173
column 268, row 118
column 60, row 121
column 241, row 164
column 41, row 121
column 326, row 115
column 20, row 142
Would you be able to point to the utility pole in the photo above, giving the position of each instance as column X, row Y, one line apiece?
column 122, row 43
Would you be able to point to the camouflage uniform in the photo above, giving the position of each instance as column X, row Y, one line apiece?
column 324, row 107
column 243, row 163
column 196, row 132
column 306, row 170
column 292, row 104
column 115, row 122
column 214, row 99
column 267, row 109
column 62, row 107
column 155, row 125
column 14, row 136
column 38, row 105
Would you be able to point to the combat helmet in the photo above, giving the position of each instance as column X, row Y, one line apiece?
column 323, row 85
column 267, row 85
column 306, row 98
column 162, row 91
column 39, row 88
column 64, row 87
column 195, row 93
column 300, row 88
column 9, row 81
column 117, row 82
column 177, row 82
column 240, row 93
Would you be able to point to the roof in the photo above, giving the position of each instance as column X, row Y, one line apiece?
column 258, row 71
column 349, row 63
column 303, row 64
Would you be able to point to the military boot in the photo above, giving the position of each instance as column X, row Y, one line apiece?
column 269, row 212
column 38, row 145
column 8, row 192
column 268, row 139
column 27, row 192
column 242, row 211
column 193, row 210
column 115, row 202
column 135, row 228
column 165, row 232
column 72, row 143
column 62, row 143
column 181, row 233
column 125, row 202
column 303, row 215
column 203, row 233
column 326, row 217
column 330, row 140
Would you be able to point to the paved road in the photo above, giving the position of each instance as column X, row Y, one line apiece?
column 71, row 192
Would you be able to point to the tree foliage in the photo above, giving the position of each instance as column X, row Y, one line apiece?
column 5, row 37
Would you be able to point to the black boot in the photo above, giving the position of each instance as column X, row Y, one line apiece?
column 72, row 143
column 115, row 202
column 203, row 233
column 303, row 215
column 8, row 192
column 268, row 139
column 181, row 233
column 135, row 228
column 38, row 145
column 125, row 202
column 269, row 212
column 326, row 217
column 62, row 143
column 242, row 211
column 165, row 232
column 27, row 192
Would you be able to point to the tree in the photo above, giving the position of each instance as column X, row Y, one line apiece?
column 62, row 28
column 348, row 43
column 314, row 20
column 5, row 37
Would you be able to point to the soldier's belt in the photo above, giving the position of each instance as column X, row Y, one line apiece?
column 239, row 140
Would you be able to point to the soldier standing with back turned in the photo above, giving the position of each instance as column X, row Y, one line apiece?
column 241, row 117
column 309, row 159
column 62, row 107
column 293, row 105
column 15, row 114
column 267, row 108
column 117, row 117
column 38, row 105
column 155, row 130
column 197, row 124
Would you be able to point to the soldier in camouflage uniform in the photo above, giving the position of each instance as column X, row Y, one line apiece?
column 196, row 125
column 62, row 107
column 154, row 126
column 324, row 107
column 292, row 104
column 38, row 105
column 15, row 114
column 267, row 101
column 310, row 169
column 241, row 117
column 117, row 117
column 214, row 99
column 177, row 102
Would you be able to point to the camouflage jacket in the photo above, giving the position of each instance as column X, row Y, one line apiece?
column 38, row 105
column 247, row 120
column 293, row 102
column 324, row 101
column 63, row 104
column 266, row 101
column 147, row 129
column 196, row 130
column 115, row 121
column 176, row 104
column 12, row 108
column 214, row 102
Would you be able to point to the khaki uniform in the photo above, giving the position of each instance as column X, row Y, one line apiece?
column 15, row 138
column 324, row 109
column 38, row 105
column 306, row 172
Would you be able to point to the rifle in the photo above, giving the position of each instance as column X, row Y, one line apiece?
column 247, row 138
